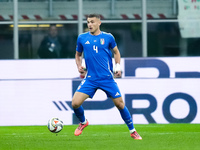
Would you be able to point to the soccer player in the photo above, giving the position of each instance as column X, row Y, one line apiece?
column 97, row 46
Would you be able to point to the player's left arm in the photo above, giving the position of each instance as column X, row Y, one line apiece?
column 117, row 57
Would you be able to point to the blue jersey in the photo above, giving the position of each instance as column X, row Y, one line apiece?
column 97, row 54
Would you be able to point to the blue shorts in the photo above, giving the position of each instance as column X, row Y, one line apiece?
column 109, row 86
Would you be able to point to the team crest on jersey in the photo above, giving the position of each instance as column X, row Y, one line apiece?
column 102, row 41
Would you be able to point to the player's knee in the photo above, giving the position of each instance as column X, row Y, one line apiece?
column 75, row 105
column 120, row 105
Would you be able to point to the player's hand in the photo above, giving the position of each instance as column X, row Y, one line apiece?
column 117, row 71
column 118, row 74
column 82, row 75
column 81, row 69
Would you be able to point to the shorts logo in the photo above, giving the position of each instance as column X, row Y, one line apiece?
column 102, row 41
column 117, row 94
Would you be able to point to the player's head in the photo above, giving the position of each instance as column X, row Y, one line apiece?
column 93, row 23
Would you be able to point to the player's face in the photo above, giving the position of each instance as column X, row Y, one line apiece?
column 93, row 25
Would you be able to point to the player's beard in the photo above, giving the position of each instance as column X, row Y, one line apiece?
column 94, row 32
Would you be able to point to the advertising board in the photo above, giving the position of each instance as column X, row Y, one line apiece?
column 155, row 90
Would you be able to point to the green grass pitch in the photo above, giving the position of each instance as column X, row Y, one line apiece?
column 102, row 137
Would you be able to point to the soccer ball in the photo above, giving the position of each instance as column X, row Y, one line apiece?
column 55, row 125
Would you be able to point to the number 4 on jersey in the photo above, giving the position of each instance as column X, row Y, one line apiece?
column 95, row 48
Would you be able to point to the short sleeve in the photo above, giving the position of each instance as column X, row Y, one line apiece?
column 79, row 46
column 112, row 41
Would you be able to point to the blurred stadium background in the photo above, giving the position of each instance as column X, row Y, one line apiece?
column 141, row 27
column 159, row 41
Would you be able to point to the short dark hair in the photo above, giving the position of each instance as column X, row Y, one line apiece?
column 93, row 15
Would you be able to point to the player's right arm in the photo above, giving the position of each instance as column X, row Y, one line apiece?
column 78, row 58
column 79, row 55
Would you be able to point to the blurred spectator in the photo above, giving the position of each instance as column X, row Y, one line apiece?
column 51, row 46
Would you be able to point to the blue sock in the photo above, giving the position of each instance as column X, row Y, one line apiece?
column 126, row 116
column 79, row 112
